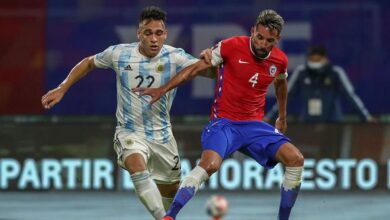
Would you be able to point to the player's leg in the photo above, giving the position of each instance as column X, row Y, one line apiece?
column 165, row 166
column 209, row 163
column 268, row 147
column 293, row 161
column 215, row 145
column 132, row 156
column 168, row 192
column 144, row 185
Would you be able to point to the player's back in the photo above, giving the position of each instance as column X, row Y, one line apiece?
column 243, row 80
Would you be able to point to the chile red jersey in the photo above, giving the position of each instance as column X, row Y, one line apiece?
column 243, row 79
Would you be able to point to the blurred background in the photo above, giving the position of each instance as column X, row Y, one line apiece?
column 68, row 149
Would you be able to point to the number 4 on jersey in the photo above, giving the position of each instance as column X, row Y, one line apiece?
column 253, row 79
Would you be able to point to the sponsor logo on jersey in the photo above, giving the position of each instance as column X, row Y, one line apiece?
column 272, row 70
column 242, row 61
column 128, row 67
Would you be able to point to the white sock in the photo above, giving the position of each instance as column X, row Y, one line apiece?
column 148, row 193
column 167, row 202
column 292, row 177
column 195, row 178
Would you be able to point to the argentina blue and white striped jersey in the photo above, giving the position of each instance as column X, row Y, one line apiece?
column 134, row 113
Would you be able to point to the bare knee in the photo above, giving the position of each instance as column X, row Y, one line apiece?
column 210, row 167
column 135, row 163
column 290, row 156
column 210, row 161
column 296, row 160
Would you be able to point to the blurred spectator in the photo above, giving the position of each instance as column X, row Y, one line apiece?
column 319, row 85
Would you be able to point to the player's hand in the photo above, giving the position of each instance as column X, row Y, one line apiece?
column 154, row 93
column 206, row 55
column 52, row 97
column 281, row 124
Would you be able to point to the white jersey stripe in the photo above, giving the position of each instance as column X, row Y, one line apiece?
column 134, row 113
column 125, row 89
column 166, row 75
column 146, row 108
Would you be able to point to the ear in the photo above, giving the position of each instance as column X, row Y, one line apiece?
column 166, row 34
column 138, row 33
column 278, row 38
column 252, row 30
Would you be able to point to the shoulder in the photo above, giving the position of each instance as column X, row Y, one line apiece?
column 279, row 54
column 300, row 71
column 339, row 72
column 300, row 68
column 130, row 46
column 236, row 40
column 338, row 69
column 122, row 47
column 167, row 49
column 177, row 55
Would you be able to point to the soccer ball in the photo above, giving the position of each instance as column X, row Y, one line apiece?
column 216, row 206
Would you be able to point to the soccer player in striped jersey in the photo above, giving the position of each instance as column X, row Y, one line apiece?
column 143, row 139
column 248, row 66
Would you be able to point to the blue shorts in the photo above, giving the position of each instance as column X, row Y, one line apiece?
column 257, row 139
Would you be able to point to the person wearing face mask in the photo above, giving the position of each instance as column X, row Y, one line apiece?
column 320, row 86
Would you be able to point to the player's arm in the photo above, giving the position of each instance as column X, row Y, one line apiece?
column 212, row 72
column 349, row 92
column 281, row 97
column 78, row 71
column 183, row 76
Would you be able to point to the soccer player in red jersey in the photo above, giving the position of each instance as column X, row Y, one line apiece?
column 248, row 65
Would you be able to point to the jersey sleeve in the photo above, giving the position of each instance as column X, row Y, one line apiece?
column 283, row 72
column 183, row 59
column 104, row 59
column 220, row 51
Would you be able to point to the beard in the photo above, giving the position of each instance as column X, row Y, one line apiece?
column 260, row 53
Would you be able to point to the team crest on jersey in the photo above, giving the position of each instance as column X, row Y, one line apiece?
column 128, row 67
column 129, row 142
column 272, row 70
column 160, row 68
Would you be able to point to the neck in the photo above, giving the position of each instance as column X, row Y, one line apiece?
column 143, row 53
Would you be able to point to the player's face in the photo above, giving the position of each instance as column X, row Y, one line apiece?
column 151, row 35
column 263, row 40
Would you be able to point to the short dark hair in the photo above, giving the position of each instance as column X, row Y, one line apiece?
column 153, row 13
column 317, row 50
column 270, row 19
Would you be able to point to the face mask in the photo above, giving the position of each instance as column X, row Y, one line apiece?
column 315, row 65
